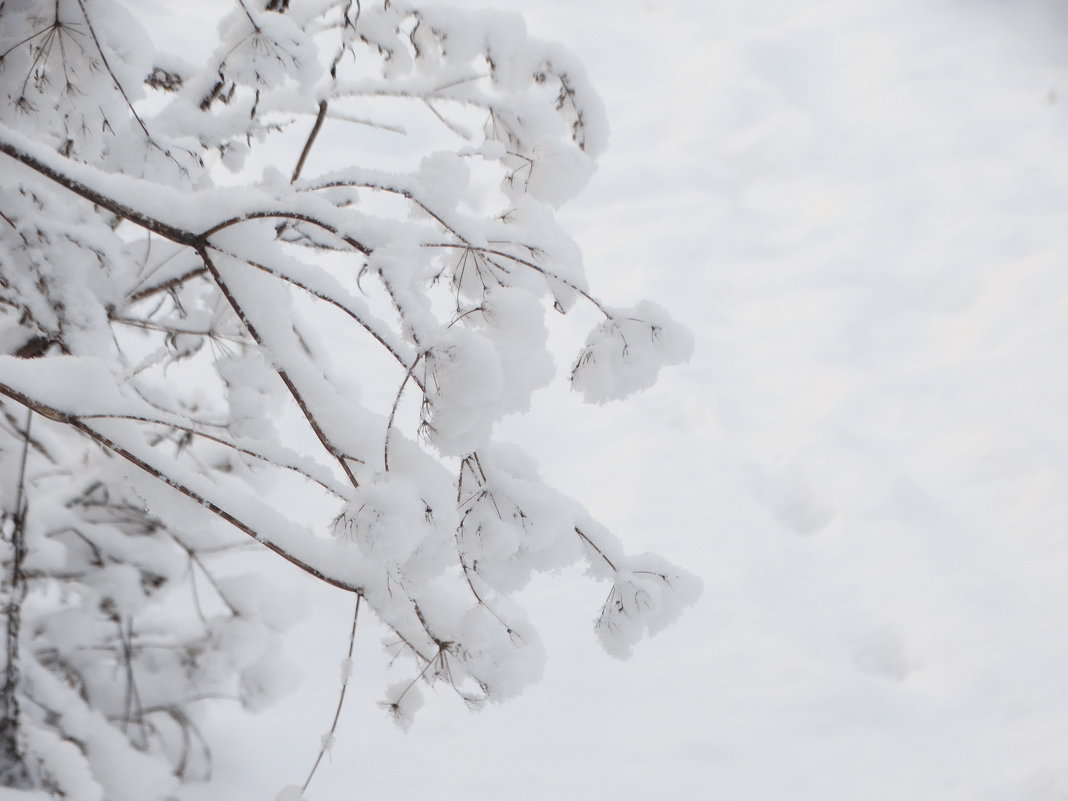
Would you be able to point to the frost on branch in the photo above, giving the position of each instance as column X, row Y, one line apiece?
column 277, row 303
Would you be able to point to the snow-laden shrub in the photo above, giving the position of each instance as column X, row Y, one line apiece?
column 280, row 299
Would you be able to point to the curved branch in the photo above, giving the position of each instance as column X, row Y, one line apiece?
column 463, row 241
column 393, row 190
column 393, row 409
column 278, row 214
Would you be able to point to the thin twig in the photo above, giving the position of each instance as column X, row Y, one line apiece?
column 589, row 542
column 111, row 72
column 311, row 140
column 328, row 739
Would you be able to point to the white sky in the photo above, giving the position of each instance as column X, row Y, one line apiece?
column 860, row 210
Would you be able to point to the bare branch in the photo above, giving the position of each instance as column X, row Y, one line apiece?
column 311, row 140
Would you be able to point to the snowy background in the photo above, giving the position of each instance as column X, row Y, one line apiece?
column 861, row 211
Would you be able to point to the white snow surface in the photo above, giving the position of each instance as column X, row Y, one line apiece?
column 858, row 210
